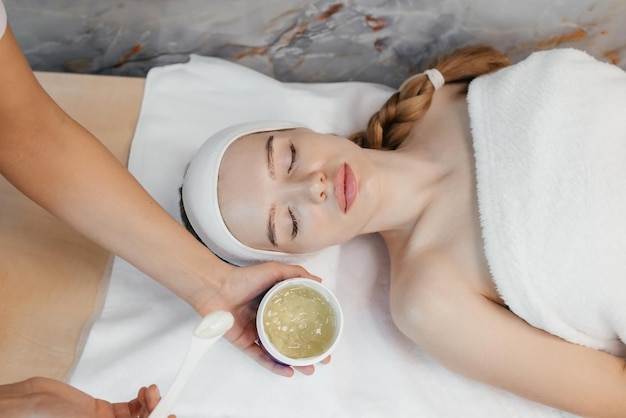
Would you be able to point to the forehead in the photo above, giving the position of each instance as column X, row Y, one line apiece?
column 246, row 143
column 251, row 148
column 253, row 143
column 242, row 188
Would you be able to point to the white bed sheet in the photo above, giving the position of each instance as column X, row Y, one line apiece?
column 143, row 332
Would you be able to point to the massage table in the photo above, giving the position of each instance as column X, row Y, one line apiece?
column 72, row 311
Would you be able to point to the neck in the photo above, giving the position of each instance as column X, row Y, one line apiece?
column 409, row 180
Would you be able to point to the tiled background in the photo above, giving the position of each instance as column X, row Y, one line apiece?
column 297, row 40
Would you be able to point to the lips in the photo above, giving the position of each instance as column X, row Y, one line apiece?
column 345, row 187
column 350, row 187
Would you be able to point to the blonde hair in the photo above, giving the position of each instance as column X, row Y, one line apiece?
column 388, row 127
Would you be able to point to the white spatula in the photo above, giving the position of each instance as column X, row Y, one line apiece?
column 210, row 329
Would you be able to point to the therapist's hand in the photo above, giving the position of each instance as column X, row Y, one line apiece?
column 240, row 293
column 47, row 398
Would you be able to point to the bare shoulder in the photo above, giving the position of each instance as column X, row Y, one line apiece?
column 425, row 289
column 470, row 334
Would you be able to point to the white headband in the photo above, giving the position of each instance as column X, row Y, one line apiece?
column 433, row 75
column 200, row 200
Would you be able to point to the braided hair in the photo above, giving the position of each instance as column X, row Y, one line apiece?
column 388, row 127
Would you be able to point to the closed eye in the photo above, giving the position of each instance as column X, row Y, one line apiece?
column 293, row 157
column 294, row 229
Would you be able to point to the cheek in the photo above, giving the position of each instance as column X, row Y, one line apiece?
column 323, row 230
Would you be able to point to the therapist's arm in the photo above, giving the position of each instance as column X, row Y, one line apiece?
column 66, row 170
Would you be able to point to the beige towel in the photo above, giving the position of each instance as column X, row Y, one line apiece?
column 49, row 273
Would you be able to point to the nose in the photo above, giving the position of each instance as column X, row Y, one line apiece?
column 317, row 187
column 312, row 187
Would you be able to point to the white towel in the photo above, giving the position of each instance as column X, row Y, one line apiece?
column 144, row 330
column 550, row 144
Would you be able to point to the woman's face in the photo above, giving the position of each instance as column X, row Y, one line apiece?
column 296, row 191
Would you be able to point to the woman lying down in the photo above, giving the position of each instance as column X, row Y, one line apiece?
column 499, row 191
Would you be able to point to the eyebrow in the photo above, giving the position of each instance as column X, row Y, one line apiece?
column 271, row 226
column 269, row 150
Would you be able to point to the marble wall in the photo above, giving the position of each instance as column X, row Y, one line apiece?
column 297, row 40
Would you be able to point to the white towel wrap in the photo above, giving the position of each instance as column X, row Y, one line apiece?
column 550, row 144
